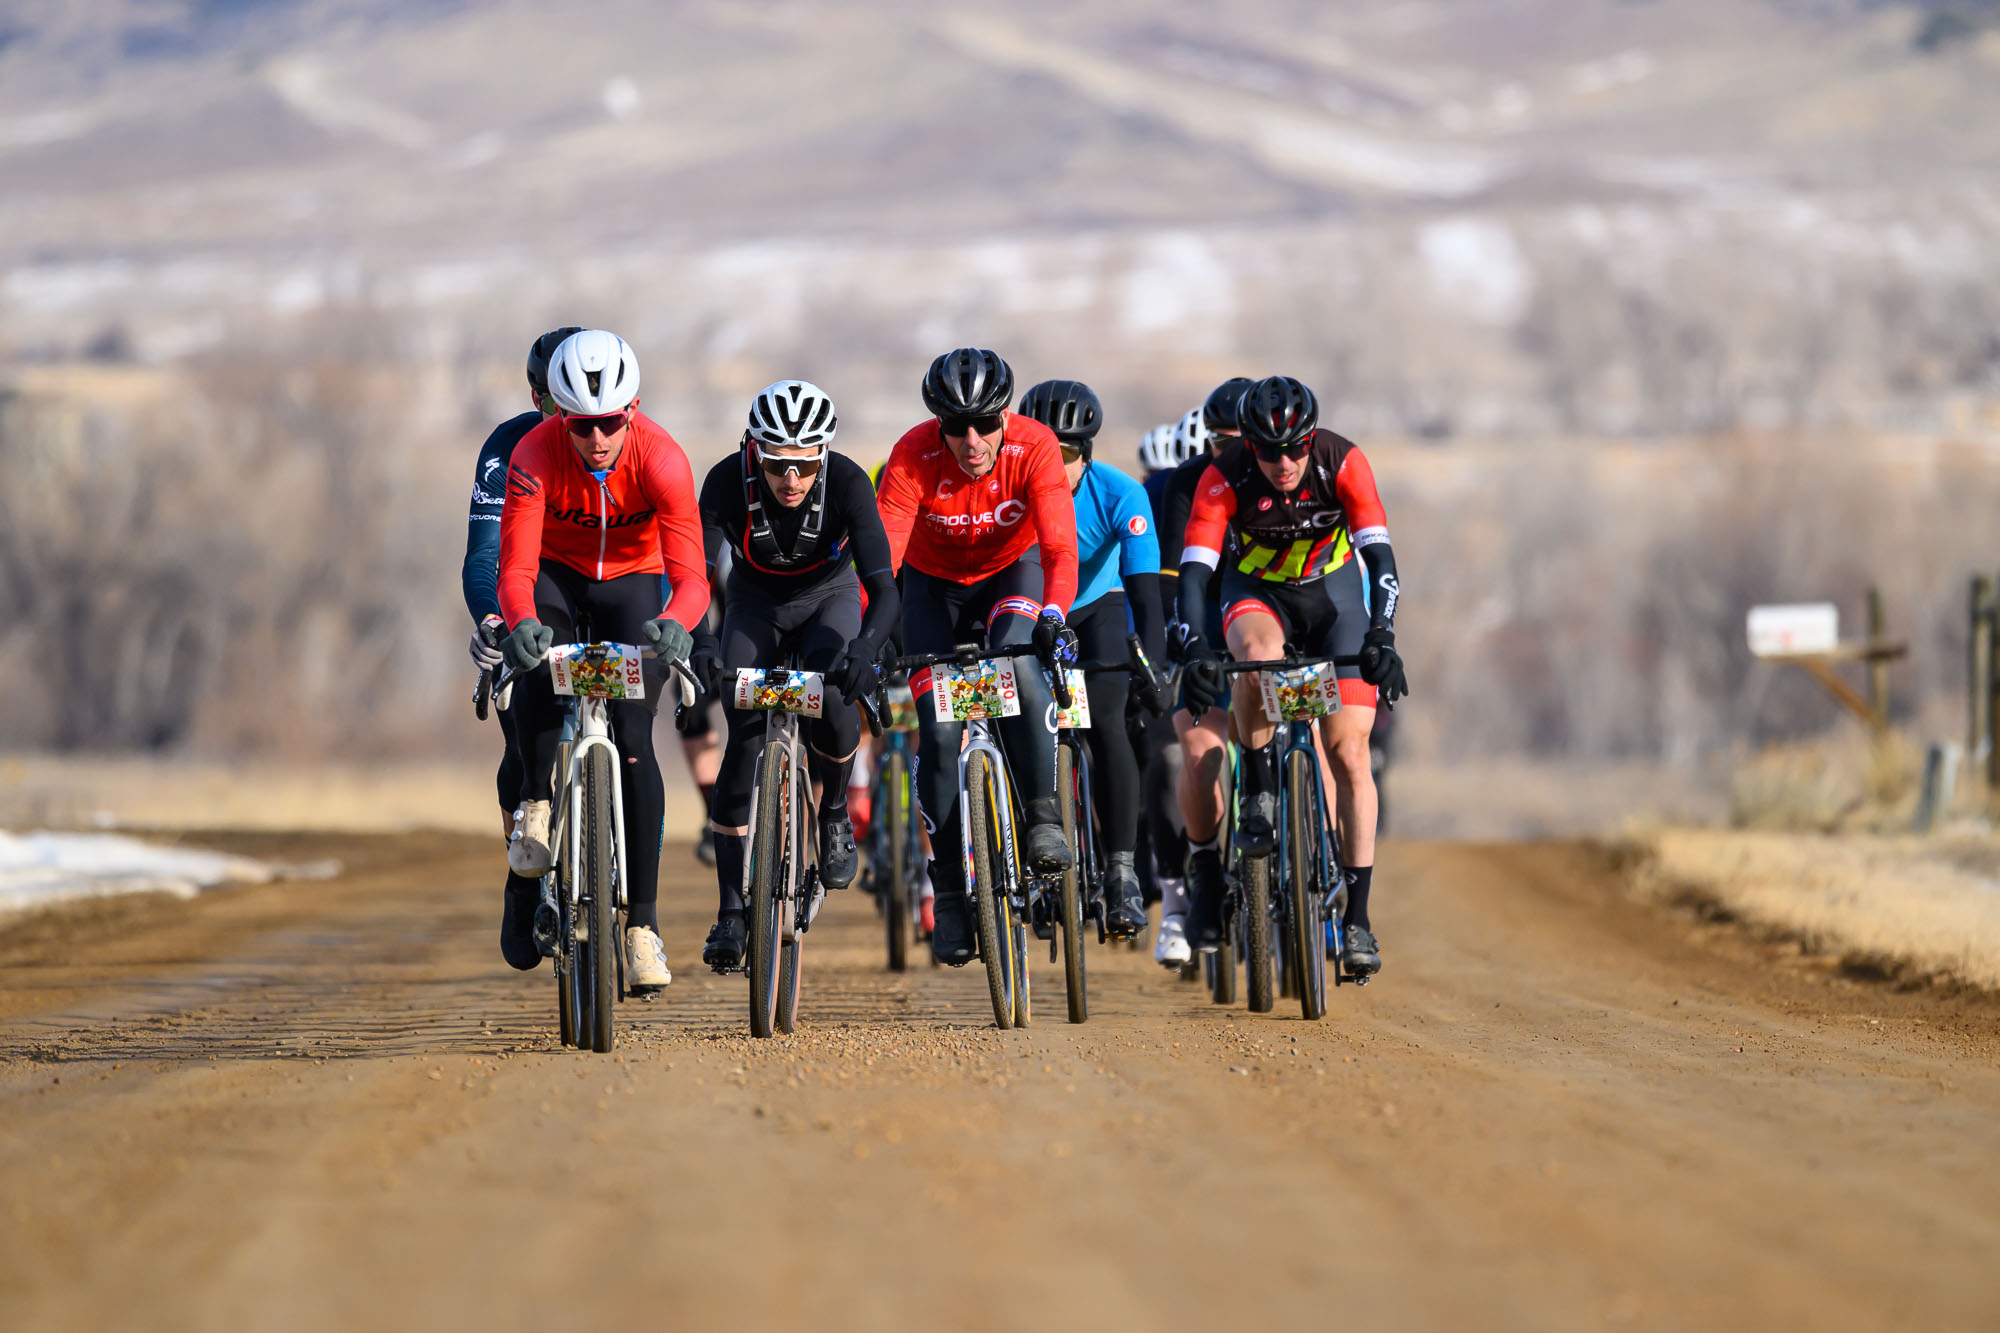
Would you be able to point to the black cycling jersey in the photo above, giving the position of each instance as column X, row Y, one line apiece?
column 784, row 551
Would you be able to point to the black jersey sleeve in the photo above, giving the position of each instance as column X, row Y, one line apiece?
column 722, row 511
column 852, row 497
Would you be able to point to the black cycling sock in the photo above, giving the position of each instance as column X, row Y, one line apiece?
column 1358, row 878
column 730, row 850
column 832, row 775
column 1260, row 771
column 523, row 885
column 643, row 914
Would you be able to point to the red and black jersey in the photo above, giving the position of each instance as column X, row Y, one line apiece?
column 1268, row 534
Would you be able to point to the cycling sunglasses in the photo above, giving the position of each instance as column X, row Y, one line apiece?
column 1271, row 453
column 777, row 465
column 1070, row 452
column 583, row 427
column 958, row 428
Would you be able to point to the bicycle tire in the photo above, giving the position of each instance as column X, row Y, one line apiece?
column 791, row 961
column 1070, row 906
column 895, row 811
column 990, row 909
column 1301, row 777
column 767, row 889
column 1222, row 963
column 1257, row 933
column 565, row 1000
column 600, row 888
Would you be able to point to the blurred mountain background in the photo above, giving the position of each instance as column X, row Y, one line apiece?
column 1647, row 311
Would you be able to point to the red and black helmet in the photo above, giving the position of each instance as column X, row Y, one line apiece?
column 1279, row 412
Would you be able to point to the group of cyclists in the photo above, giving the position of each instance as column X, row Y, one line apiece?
column 991, row 523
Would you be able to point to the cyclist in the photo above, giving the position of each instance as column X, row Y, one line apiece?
column 1118, row 592
column 1198, row 783
column 600, row 504
column 1158, row 454
column 966, row 497
column 1293, row 504
column 798, row 521
column 480, row 577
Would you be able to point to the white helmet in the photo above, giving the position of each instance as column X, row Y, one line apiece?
column 793, row 413
column 1191, row 437
column 1156, row 448
column 593, row 374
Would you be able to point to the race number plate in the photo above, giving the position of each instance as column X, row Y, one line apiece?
column 777, row 690
column 598, row 670
column 902, row 709
column 982, row 690
column 1077, row 715
column 1300, row 694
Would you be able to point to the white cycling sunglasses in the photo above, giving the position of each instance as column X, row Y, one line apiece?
column 777, row 465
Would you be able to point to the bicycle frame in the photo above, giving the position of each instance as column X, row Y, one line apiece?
column 781, row 739
column 981, row 739
column 587, row 726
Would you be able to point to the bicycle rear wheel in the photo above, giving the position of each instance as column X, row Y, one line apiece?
column 990, row 907
column 767, row 886
column 600, row 894
column 1257, row 932
column 1220, row 965
column 1070, row 907
column 1302, row 890
column 893, row 808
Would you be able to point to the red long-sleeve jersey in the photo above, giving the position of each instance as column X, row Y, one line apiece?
column 952, row 526
column 642, row 518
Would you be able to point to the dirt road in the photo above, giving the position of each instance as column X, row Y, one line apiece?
column 330, row 1106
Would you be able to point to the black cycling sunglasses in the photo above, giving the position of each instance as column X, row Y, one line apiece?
column 959, row 427
column 1271, row 453
column 582, row 427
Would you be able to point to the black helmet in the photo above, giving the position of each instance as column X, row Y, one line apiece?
column 1279, row 412
column 968, row 382
column 1067, row 407
column 1224, row 408
column 538, row 357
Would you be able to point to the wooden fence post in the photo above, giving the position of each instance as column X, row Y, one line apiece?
column 1878, row 667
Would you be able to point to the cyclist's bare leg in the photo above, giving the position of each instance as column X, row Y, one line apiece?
column 1254, row 636
column 1199, row 787
column 1344, row 760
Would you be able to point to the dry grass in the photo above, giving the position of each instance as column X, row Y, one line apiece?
column 1914, row 910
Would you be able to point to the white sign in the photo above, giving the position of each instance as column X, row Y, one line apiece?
column 1783, row 631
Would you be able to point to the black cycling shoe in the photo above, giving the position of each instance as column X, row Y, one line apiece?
column 1205, row 887
column 952, row 940
column 837, row 858
column 517, row 926
column 1124, row 908
column 1048, row 850
column 1360, row 956
column 1256, row 831
column 726, row 939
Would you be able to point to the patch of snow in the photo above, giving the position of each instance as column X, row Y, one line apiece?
column 38, row 869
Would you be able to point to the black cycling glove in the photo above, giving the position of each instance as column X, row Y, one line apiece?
column 856, row 674
column 1204, row 678
column 1381, row 666
column 705, row 663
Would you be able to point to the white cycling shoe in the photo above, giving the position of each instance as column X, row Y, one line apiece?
column 1171, row 948
column 645, row 961
column 528, row 853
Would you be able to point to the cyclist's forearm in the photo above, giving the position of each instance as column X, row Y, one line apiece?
column 1142, row 595
column 1193, row 581
column 885, row 608
column 480, row 575
column 1383, row 590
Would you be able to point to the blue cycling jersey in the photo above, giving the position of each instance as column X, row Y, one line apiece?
column 1114, row 532
column 480, row 575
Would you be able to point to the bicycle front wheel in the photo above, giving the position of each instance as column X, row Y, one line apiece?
column 991, row 910
column 1070, row 908
column 1302, row 886
column 600, row 894
column 894, row 809
column 767, row 887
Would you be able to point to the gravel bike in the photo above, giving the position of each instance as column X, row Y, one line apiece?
column 783, row 891
column 584, row 895
column 976, row 686
column 1286, row 906
column 895, row 844
column 1081, row 893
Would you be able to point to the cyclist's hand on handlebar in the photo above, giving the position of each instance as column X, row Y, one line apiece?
column 524, row 647
column 1055, row 642
column 669, row 639
column 705, row 663
column 1150, row 690
column 1381, row 666
column 1179, row 637
column 1203, row 677
column 856, row 674
column 486, row 638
